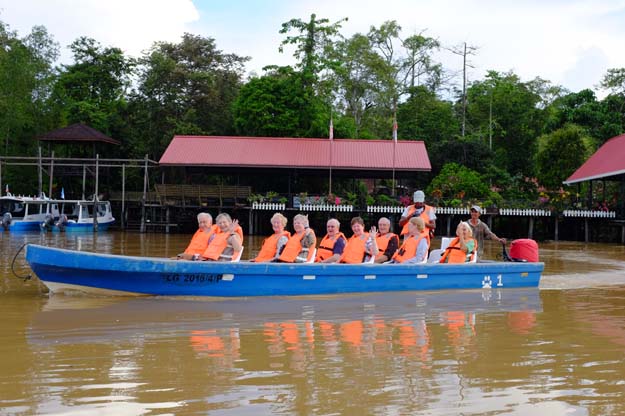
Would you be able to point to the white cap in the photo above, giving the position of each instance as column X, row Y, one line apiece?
column 477, row 208
column 419, row 196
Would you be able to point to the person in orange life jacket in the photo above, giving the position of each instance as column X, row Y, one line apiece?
column 387, row 242
column 481, row 230
column 301, row 245
column 333, row 244
column 273, row 245
column 462, row 248
column 416, row 244
column 361, row 246
column 227, row 243
column 201, row 238
column 419, row 209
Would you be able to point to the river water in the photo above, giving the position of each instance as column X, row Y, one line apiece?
column 559, row 350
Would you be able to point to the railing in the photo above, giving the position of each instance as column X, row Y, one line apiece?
column 269, row 206
column 385, row 208
column 525, row 212
column 588, row 214
column 326, row 207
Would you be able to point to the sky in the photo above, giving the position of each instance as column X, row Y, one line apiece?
column 568, row 42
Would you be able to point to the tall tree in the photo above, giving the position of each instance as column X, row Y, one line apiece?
column 504, row 108
column 185, row 88
column 93, row 89
column 26, row 73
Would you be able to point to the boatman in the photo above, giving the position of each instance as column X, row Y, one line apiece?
column 481, row 230
column 419, row 209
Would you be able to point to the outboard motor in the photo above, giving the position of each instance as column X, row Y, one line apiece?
column 62, row 222
column 524, row 249
column 47, row 223
column 6, row 220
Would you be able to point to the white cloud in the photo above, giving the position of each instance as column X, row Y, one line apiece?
column 132, row 25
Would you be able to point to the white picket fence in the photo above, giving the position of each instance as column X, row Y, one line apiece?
column 326, row 207
column 525, row 212
column 385, row 208
column 269, row 206
column 588, row 214
column 452, row 210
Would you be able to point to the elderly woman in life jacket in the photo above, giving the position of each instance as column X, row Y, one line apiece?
column 463, row 248
column 301, row 245
column 274, row 244
column 226, row 243
column 416, row 244
column 361, row 246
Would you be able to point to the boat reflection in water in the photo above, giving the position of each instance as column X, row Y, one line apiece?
column 371, row 323
column 218, row 352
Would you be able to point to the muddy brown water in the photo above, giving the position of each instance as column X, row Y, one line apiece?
column 559, row 350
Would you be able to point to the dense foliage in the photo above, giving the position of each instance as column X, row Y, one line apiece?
column 519, row 137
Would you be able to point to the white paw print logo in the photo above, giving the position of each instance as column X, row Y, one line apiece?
column 486, row 283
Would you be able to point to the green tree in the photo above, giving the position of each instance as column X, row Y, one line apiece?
column 277, row 105
column 601, row 119
column 504, row 112
column 184, row 88
column 457, row 182
column 570, row 146
column 93, row 89
column 26, row 74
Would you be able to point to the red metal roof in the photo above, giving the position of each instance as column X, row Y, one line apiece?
column 609, row 160
column 226, row 151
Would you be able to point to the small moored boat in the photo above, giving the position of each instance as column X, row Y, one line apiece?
column 26, row 213
column 81, row 215
column 65, row 270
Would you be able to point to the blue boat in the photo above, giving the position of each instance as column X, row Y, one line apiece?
column 25, row 213
column 65, row 270
column 79, row 215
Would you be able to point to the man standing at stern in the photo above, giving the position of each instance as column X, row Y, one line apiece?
column 419, row 209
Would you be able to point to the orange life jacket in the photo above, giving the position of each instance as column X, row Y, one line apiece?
column 424, row 216
column 326, row 247
column 200, row 240
column 219, row 249
column 237, row 230
column 408, row 249
column 269, row 248
column 355, row 249
column 383, row 240
column 454, row 254
column 294, row 247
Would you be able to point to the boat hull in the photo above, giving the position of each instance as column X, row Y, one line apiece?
column 65, row 270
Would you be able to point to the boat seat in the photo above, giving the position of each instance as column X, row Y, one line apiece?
column 312, row 258
column 474, row 259
column 435, row 255
column 445, row 242
column 238, row 257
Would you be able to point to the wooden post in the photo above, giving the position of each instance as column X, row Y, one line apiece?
column 84, row 180
column 167, row 219
column 51, row 175
column 250, row 218
column 586, row 230
column 123, row 213
column 530, row 233
column 40, row 183
column 144, row 197
column 556, row 235
column 95, row 194
column 1, row 177
column 449, row 224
